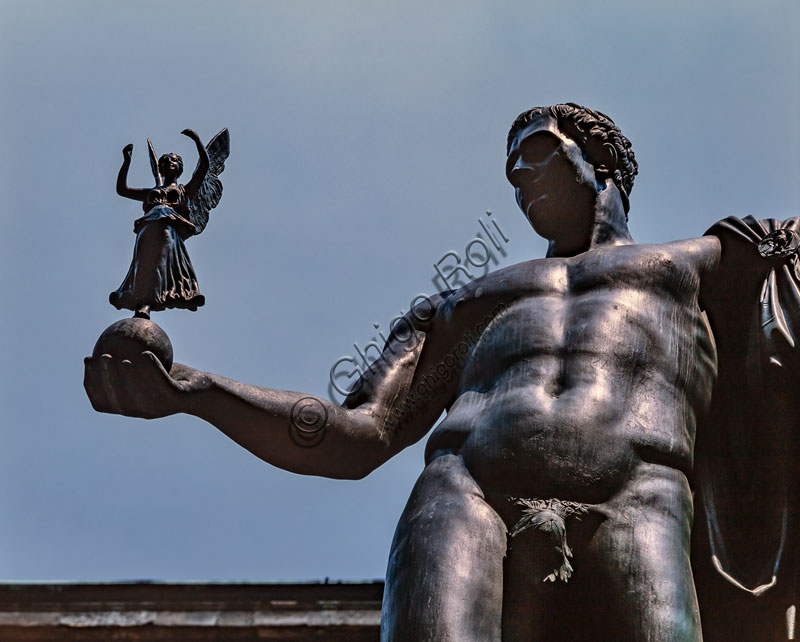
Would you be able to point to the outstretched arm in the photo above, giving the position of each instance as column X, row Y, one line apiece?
column 136, row 194
column 196, row 181
column 298, row 432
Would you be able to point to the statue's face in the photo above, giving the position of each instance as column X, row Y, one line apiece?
column 169, row 166
column 554, row 184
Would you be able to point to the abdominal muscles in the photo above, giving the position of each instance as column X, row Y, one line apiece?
column 578, row 441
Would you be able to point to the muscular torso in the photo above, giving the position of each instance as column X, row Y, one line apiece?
column 586, row 366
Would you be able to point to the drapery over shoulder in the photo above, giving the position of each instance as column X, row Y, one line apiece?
column 747, row 465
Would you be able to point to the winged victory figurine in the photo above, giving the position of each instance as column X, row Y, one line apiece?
column 161, row 274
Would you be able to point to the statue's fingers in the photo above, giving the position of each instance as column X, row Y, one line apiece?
column 150, row 385
column 138, row 395
column 96, row 381
column 93, row 384
column 88, row 371
column 111, row 384
column 123, row 381
column 155, row 363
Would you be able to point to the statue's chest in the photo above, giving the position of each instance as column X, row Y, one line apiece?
column 645, row 271
column 623, row 301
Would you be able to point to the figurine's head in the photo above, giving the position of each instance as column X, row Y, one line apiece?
column 585, row 136
column 170, row 166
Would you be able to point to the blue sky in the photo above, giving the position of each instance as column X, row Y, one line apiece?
column 366, row 141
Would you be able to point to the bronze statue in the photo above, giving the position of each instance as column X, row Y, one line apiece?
column 161, row 274
column 574, row 386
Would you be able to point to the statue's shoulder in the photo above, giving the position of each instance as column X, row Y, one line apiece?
column 702, row 253
column 510, row 278
column 534, row 277
column 624, row 262
column 694, row 248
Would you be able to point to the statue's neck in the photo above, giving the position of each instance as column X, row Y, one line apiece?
column 606, row 226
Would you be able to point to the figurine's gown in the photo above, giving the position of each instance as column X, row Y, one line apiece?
column 161, row 274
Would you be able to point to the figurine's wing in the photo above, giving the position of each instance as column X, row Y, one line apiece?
column 211, row 189
column 154, row 165
column 747, row 463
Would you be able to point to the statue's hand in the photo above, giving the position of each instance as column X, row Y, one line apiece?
column 139, row 388
column 127, row 151
column 192, row 134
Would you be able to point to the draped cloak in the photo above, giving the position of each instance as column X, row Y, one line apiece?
column 747, row 464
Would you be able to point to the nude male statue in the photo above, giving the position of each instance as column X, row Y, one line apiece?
column 572, row 386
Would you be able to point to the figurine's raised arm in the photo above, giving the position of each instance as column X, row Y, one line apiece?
column 295, row 431
column 200, row 171
column 135, row 193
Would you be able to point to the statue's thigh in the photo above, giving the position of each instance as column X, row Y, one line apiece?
column 445, row 577
column 641, row 559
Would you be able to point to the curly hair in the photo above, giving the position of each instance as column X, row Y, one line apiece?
column 604, row 145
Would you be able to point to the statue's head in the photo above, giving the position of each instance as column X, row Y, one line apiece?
column 600, row 142
column 170, row 166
